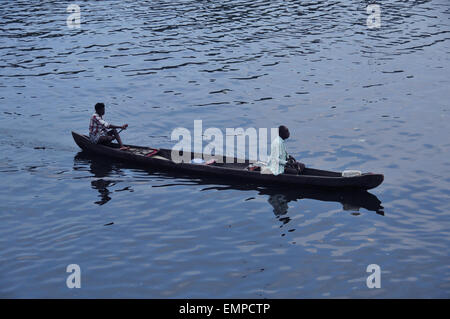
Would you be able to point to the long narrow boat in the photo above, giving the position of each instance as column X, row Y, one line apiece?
column 228, row 169
column 101, row 167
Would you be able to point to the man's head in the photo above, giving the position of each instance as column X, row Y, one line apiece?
column 100, row 108
column 283, row 131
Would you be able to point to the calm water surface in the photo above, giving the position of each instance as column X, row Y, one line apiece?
column 354, row 98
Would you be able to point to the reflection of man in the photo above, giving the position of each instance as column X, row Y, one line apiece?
column 279, row 204
column 102, row 186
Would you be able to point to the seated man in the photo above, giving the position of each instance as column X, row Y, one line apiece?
column 279, row 161
column 98, row 132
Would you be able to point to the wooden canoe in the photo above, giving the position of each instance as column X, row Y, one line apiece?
column 228, row 169
column 351, row 199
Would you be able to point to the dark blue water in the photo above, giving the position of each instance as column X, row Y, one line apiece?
column 353, row 98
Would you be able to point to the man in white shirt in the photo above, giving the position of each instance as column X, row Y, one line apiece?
column 280, row 162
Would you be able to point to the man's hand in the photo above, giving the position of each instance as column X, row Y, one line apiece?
column 124, row 127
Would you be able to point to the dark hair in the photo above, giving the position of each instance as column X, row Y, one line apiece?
column 99, row 106
column 283, row 131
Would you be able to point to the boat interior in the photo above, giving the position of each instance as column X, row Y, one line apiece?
column 220, row 161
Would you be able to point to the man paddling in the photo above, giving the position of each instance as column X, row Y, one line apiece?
column 280, row 162
column 98, row 128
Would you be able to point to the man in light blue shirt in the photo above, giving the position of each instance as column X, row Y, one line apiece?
column 278, row 154
column 279, row 157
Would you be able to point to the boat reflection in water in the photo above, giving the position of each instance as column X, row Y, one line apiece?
column 279, row 198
